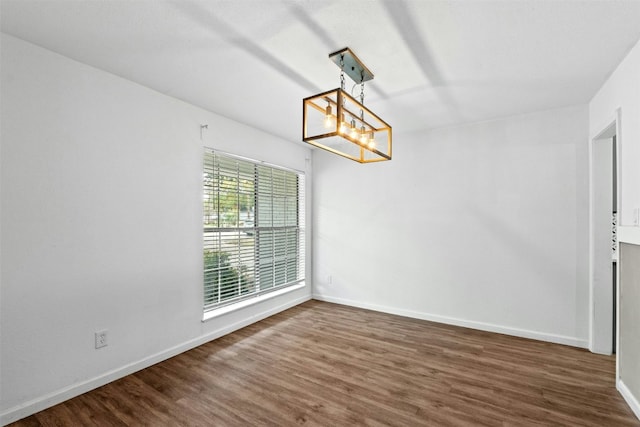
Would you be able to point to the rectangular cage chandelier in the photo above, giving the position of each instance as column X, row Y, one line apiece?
column 337, row 122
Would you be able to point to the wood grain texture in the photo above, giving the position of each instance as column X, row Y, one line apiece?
column 322, row 364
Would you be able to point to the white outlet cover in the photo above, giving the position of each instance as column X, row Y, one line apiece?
column 101, row 338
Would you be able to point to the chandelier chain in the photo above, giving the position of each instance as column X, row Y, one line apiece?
column 362, row 98
column 342, row 72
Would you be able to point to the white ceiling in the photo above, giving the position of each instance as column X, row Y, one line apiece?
column 436, row 63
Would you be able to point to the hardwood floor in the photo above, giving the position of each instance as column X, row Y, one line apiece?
column 323, row 364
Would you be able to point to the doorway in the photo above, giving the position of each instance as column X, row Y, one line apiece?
column 603, row 242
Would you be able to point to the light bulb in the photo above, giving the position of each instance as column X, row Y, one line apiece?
column 328, row 121
column 363, row 136
column 372, row 142
column 354, row 129
column 343, row 125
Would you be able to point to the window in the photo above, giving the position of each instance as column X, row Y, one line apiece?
column 253, row 220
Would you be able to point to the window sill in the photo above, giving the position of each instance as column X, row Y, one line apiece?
column 249, row 302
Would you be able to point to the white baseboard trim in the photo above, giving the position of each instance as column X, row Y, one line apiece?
column 523, row 333
column 59, row 396
column 631, row 400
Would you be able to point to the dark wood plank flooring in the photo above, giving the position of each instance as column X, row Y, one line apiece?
column 323, row 364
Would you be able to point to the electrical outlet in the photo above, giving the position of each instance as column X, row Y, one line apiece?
column 101, row 339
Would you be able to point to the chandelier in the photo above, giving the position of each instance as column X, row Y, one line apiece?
column 337, row 122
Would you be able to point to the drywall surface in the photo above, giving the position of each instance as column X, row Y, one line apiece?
column 620, row 97
column 629, row 345
column 102, row 225
column 622, row 92
column 483, row 225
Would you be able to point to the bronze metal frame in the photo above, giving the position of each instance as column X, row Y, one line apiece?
column 350, row 64
column 315, row 140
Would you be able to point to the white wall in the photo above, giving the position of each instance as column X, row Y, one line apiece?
column 620, row 97
column 628, row 381
column 622, row 91
column 483, row 225
column 101, row 225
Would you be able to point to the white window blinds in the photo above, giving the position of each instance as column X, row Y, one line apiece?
column 253, row 220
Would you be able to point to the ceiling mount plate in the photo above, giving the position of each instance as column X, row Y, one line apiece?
column 353, row 67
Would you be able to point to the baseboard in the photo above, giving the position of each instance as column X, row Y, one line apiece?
column 631, row 400
column 523, row 333
column 59, row 396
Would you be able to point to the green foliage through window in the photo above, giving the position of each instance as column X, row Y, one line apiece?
column 223, row 278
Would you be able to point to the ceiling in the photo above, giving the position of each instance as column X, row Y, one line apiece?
column 436, row 63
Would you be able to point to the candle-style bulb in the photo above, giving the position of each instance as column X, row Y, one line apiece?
column 354, row 129
column 328, row 120
column 363, row 136
column 343, row 125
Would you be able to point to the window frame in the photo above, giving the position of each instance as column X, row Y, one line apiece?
column 257, row 289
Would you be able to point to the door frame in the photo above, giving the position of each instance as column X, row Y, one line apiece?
column 601, row 302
